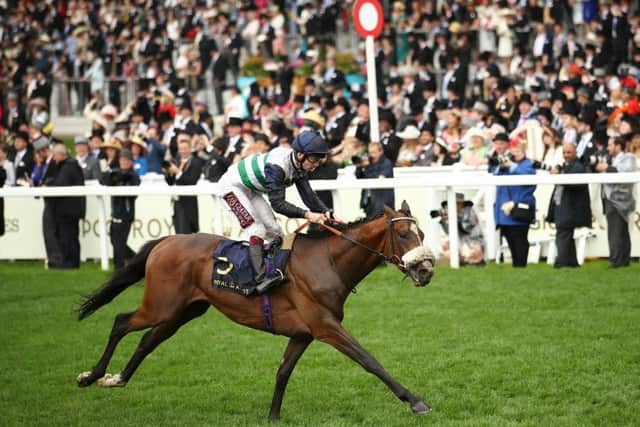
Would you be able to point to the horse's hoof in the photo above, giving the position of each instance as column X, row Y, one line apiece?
column 420, row 408
column 111, row 381
column 274, row 418
column 84, row 379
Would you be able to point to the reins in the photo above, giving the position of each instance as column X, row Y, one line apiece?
column 392, row 258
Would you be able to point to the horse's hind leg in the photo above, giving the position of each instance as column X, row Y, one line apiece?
column 152, row 339
column 119, row 330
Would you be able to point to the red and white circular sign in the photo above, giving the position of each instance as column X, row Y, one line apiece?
column 368, row 18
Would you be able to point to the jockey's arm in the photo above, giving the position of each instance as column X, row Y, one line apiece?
column 276, row 191
column 309, row 197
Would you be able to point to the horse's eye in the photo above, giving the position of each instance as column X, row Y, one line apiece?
column 403, row 235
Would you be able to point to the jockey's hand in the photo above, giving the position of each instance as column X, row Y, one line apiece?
column 314, row 217
column 330, row 217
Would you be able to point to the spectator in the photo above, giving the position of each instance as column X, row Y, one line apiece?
column 156, row 150
column 67, row 211
column 470, row 236
column 476, row 151
column 569, row 208
column 138, row 150
column 88, row 164
column 21, row 156
column 3, row 178
column 499, row 151
column 618, row 203
column 407, row 155
column 375, row 166
column 122, row 208
column 185, row 170
column 110, row 150
column 509, row 197
column 217, row 164
column 9, row 179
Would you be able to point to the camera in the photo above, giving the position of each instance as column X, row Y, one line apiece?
column 360, row 161
column 504, row 158
column 166, row 164
column 120, row 177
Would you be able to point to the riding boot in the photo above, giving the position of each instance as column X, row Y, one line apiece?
column 256, row 255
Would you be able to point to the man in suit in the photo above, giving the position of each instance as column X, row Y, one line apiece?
column 570, row 207
column 390, row 141
column 15, row 115
column 618, row 203
column 123, row 208
column 233, row 139
column 21, row 155
column 617, row 33
column 376, row 166
column 338, row 121
column 219, row 67
column 185, row 171
column 67, row 211
column 3, row 177
column 88, row 164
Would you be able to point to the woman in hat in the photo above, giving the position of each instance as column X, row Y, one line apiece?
column 139, row 152
column 476, row 151
column 111, row 149
column 511, row 197
column 407, row 155
column 439, row 152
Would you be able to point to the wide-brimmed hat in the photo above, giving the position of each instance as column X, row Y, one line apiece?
column 111, row 143
column 109, row 110
column 475, row 132
column 410, row 132
column 140, row 142
column 313, row 116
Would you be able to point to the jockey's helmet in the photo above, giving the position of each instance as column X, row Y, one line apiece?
column 310, row 142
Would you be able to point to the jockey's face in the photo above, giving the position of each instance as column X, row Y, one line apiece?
column 310, row 163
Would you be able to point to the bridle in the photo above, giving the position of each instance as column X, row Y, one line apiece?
column 392, row 258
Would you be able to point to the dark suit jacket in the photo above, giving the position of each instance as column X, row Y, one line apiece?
column 220, row 67
column 574, row 209
column 68, row 173
column 190, row 176
column 373, row 201
column 25, row 167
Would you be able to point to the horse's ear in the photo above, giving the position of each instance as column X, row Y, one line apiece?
column 405, row 209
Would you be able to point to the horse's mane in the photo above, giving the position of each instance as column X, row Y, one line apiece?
column 317, row 232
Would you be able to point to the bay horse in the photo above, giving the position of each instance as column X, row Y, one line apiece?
column 322, row 271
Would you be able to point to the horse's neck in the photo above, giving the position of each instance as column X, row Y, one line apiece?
column 354, row 262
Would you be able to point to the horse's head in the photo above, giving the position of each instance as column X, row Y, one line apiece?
column 405, row 245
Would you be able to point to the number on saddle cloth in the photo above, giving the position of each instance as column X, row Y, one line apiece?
column 232, row 270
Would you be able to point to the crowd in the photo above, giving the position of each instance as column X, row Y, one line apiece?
column 502, row 85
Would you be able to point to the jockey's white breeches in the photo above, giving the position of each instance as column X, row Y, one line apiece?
column 250, row 208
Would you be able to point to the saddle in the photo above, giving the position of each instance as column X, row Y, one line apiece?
column 232, row 270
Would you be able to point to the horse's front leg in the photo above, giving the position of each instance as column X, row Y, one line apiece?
column 335, row 335
column 295, row 348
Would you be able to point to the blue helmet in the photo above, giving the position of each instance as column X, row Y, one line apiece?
column 310, row 142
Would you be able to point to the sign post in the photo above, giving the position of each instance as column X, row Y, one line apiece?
column 369, row 20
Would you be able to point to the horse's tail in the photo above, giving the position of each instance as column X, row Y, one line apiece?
column 120, row 280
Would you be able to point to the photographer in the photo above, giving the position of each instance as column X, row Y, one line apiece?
column 569, row 208
column 469, row 231
column 376, row 165
column 122, row 207
column 515, row 205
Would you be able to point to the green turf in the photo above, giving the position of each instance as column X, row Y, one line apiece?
column 484, row 346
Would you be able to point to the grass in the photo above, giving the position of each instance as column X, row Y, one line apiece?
column 484, row 346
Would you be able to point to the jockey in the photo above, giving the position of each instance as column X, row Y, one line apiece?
column 243, row 187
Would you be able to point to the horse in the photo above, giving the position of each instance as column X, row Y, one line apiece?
column 322, row 270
